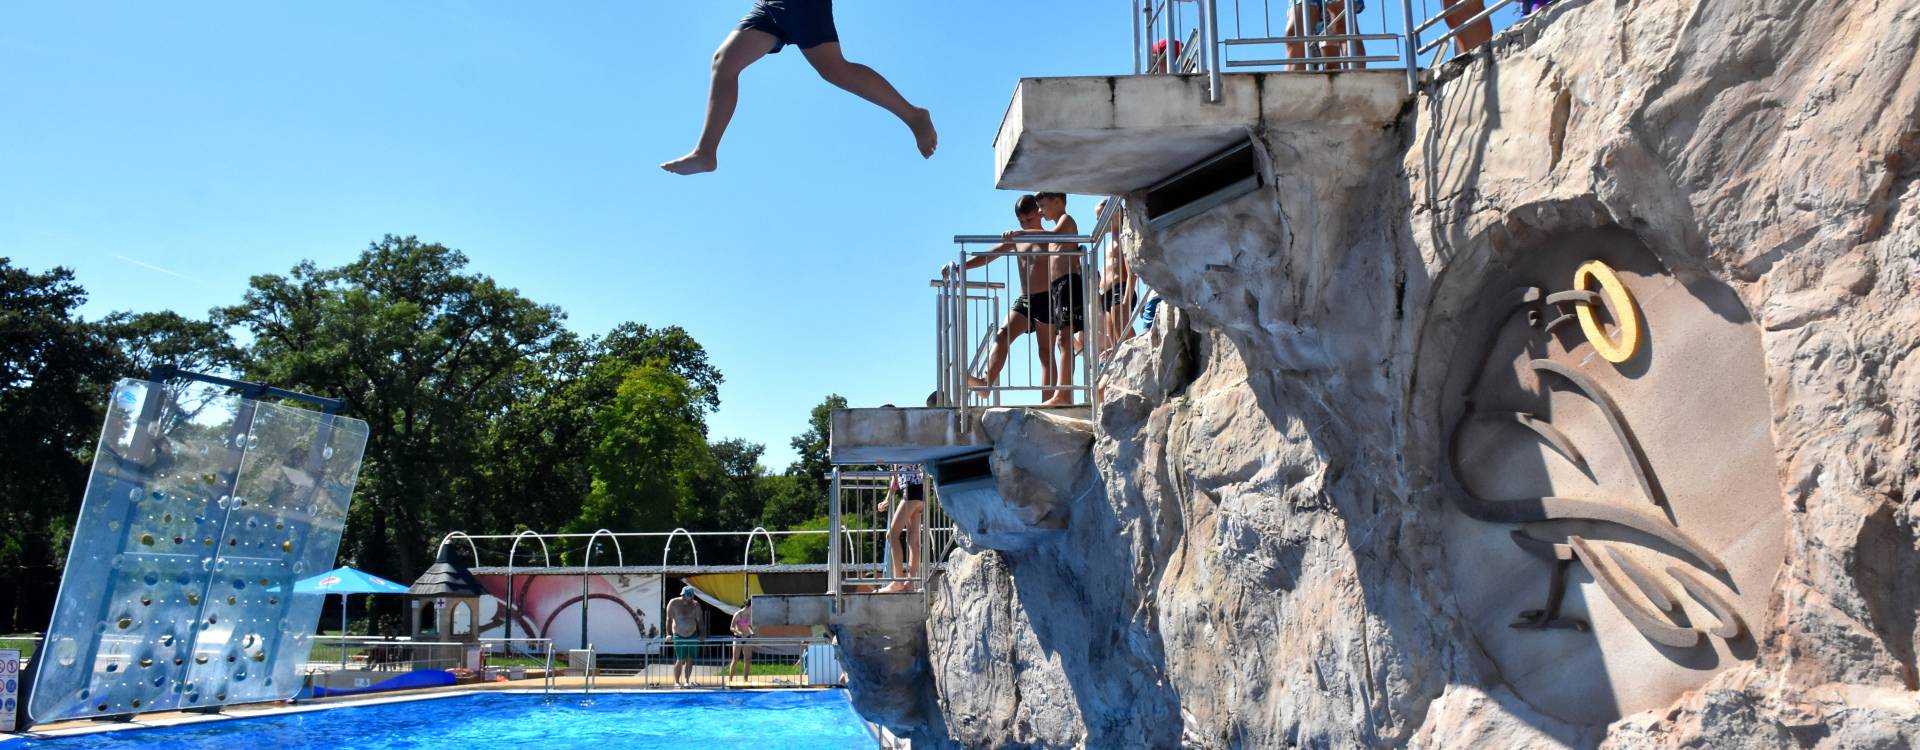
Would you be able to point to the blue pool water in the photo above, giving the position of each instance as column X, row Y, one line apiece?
column 786, row 720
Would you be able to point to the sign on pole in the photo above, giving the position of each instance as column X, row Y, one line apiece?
column 9, row 688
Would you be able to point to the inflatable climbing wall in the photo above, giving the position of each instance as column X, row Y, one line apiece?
column 203, row 508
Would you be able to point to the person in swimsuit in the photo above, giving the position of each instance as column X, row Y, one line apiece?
column 683, row 620
column 1066, row 287
column 1117, row 293
column 1032, row 311
column 742, row 627
column 807, row 24
column 903, row 528
column 1325, row 18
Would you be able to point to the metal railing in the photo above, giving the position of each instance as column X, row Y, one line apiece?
column 336, row 652
column 1320, row 35
column 501, row 653
column 875, row 546
column 975, row 340
column 723, row 661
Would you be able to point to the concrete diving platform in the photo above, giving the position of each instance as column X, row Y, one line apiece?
column 889, row 435
column 860, row 610
column 1114, row 135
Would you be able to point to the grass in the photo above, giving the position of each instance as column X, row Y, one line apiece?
column 26, row 646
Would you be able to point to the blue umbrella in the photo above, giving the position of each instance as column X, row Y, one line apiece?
column 344, row 581
column 347, row 581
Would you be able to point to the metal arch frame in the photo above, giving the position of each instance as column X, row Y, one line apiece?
column 747, row 558
column 545, row 553
column 691, row 544
column 586, row 563
column 746, row 561
column 463, row 535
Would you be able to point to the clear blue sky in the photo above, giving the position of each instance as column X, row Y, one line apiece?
column 168, row 151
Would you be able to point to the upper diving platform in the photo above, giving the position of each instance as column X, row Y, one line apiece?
column 1114, row 135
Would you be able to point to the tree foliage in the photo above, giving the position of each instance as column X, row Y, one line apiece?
column 485, row 413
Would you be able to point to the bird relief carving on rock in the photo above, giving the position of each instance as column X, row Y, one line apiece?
column 1608, row 453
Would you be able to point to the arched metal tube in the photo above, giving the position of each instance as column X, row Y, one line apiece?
column 515, row 547
column 463, row 535
column 668, row 549
column 586, row 563
column 746, row 560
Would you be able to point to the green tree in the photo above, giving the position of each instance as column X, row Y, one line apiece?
column 813, row 445
column 646, row 457
column 55, row 373
column 427, row 354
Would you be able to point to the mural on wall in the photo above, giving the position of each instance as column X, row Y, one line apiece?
column 622, row 612
column 1609, row 454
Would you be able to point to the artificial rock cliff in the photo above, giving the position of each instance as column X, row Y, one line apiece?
column 1302, row 519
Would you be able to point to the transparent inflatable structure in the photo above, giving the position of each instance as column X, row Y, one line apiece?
column 203, row 508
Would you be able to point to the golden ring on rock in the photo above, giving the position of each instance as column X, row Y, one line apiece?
column 1619, row 303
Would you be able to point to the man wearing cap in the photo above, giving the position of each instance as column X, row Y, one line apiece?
column 683, row 618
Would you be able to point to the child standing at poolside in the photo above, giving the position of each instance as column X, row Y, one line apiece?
column 807, row 24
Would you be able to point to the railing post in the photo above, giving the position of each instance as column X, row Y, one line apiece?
column 1412, row 49
column 1139, row 18
column 1210, row 57
column 834, row 549
column 1168, row 58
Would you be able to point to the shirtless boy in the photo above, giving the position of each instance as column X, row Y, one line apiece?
column 1032, row 310
column 1065, row 289
column 1117, row 293
column 807, row 24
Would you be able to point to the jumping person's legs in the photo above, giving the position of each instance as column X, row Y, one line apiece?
column 742, row 48
column 867, row 84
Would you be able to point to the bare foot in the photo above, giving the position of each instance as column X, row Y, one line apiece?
column 897, row 587
column 1064, row 398
column 977, row 383
column 924, row 135
column 693, row 163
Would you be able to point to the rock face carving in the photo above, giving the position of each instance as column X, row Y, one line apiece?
column 1612, row 456
column 1270, row 558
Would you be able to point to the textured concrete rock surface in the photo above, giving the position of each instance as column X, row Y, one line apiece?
column 1269, row 555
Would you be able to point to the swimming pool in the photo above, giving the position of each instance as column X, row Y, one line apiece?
column 787, row 720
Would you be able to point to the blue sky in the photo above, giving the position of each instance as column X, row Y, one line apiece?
column 168, row 151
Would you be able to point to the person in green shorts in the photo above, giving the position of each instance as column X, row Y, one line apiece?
column 683, row 623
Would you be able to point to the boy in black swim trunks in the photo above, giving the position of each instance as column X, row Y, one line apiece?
column 807, row 24
column 1067, row 291
column 1032, row 311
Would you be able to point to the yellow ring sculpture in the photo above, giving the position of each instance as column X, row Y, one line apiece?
column 1619, row 302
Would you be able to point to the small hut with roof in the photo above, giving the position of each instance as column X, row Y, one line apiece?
column 448, row 596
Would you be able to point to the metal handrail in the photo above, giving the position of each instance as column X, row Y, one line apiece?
column 1211, row 51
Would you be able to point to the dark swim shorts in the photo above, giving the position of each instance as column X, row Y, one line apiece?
column 1038, row 307
column 1069, row 302
column 802, row 23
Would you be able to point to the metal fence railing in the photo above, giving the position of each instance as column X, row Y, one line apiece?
column 335, row 652
column 882, row 540
column 722, row 661
column 1212, row 36
column 1051, row 355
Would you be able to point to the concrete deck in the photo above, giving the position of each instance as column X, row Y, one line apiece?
column 865, row 610
column 914, row 436
column 1113, row 135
